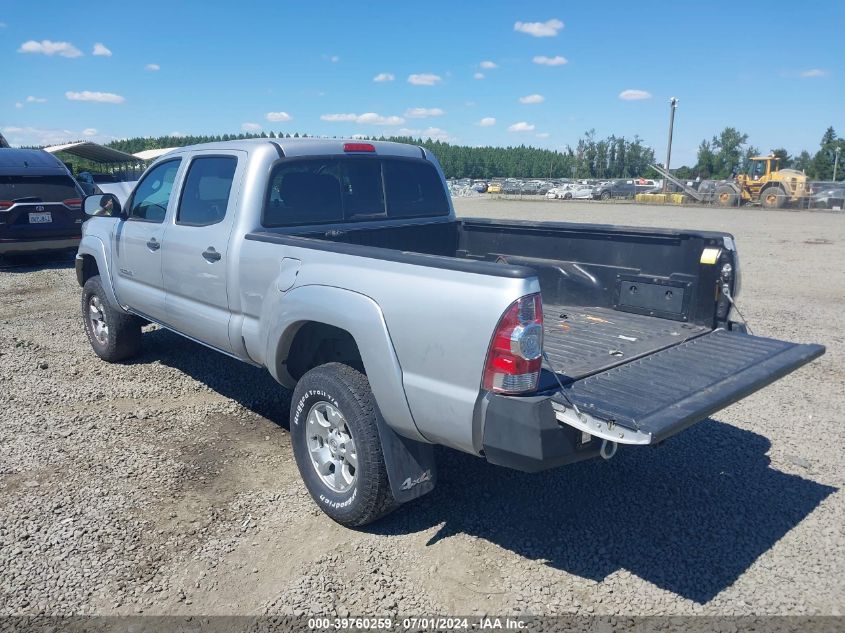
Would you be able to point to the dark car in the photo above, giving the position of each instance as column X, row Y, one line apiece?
column 615, row 189
column 40, row 203
column 829, row 197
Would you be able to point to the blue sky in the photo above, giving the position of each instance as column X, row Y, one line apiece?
column 558, row 69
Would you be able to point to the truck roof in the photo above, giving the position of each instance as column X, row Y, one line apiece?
column 313, row 146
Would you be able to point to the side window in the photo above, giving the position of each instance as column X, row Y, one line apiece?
column 205, row 194
column 149, row 202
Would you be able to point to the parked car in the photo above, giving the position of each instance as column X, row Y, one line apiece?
column 340, row 266
column 829, row 197
column 40, row 203
column 615, row 189
column 494, row 187
column 480, row 186
column 574, row 191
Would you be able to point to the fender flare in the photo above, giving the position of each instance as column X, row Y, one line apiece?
column 408, row 456
column 93, row 246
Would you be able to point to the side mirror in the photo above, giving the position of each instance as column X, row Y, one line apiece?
column 102, row 204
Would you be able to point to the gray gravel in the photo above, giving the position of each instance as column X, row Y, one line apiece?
column 167, row 485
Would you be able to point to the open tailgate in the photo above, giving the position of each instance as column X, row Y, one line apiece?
column 649, row 399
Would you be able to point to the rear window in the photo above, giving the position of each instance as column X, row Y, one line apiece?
column 37, row 188
column 329, row 190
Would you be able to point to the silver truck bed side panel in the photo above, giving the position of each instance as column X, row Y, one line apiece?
column 439, row 321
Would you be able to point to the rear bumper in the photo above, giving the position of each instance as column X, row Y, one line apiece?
column 523, row 433
column 37, row 245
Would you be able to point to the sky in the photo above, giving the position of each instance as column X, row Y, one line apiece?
column 486, row 73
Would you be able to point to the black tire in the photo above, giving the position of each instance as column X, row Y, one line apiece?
column 605, row 195
column 368, row 496
column 726, row 196
column 567, row 196
column 122, row 336
column 772, row 198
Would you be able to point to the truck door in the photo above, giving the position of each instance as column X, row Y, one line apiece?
column 196, row 260
column 138, row 241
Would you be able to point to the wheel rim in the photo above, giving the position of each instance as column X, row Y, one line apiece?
column 97, row 319
column 772, row 199
column 331, row 447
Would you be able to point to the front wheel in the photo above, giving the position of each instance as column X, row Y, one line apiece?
column 726, row 196
column 334, row 429
column 605, row 195
column 113, row 334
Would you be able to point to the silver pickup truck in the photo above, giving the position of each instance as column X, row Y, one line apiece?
column 340, row 267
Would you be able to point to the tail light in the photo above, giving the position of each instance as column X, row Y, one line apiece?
column 73, row 203
column 5, row 204
column 515, row 355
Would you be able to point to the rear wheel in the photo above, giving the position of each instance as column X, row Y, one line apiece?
column 113, row 334
column 567, row 196
column 726, row 196
column 334, row 430
column 605, row 195
column 772, row 198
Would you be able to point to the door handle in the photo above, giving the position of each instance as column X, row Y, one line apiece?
column 153, row 244
column 211, row 255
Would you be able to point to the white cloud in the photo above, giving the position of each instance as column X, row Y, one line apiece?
column 3, row 25
column 384, row 77
column 89, row 131
column 434, row 133
column 557, row 60
column 522, row 126
column 478, row 76
column 250, row 127
column 542, row 135
column 488, row 64
column 334, row 59
column 814, row 72
column 368, row 118
column 99, row 97
column 152, row 67
column 634, row 95
column 32, row 99
column 421, row 113
column 46, row 47
column 277, row 117
column 44, row 136
column 549, row 28
column 178, row 134
column 487, row 121
column 424, row 79
column 100, row 50
column 535, row 98
column 18, row 104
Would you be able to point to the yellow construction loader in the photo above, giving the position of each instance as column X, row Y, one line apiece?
column 765, row 182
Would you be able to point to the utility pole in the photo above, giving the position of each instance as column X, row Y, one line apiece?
column 836, row 162
column 673, row 104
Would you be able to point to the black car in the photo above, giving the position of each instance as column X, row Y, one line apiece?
column 615, row 189
column 40, row 203
column 829, row 197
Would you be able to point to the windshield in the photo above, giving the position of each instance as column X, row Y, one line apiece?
column 37, row 188
column 327, row 190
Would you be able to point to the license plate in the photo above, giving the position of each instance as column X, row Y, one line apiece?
column 40, row 218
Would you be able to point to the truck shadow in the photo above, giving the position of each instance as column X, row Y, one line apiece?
column 689, row 516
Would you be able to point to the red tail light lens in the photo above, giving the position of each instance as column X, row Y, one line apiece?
column 73, row 203
column 359, row 147
column 516, row 351
column 5, row 204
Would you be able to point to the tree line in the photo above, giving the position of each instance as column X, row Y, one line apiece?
column 612, row 157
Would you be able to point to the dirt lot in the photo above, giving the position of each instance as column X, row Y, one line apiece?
column 168, row 485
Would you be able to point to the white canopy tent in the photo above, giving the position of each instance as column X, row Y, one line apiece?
column 94, row 152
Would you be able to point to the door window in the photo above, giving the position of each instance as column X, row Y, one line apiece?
column 149, row 202
column 205, row 195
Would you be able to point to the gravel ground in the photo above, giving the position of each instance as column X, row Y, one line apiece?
column 168, row 486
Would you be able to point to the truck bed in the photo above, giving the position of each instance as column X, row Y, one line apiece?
column 581, row 341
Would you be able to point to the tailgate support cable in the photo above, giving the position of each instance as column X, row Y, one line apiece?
column 727, row 292
column 562, row 390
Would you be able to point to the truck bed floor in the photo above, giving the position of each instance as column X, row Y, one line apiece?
column 581, row 341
